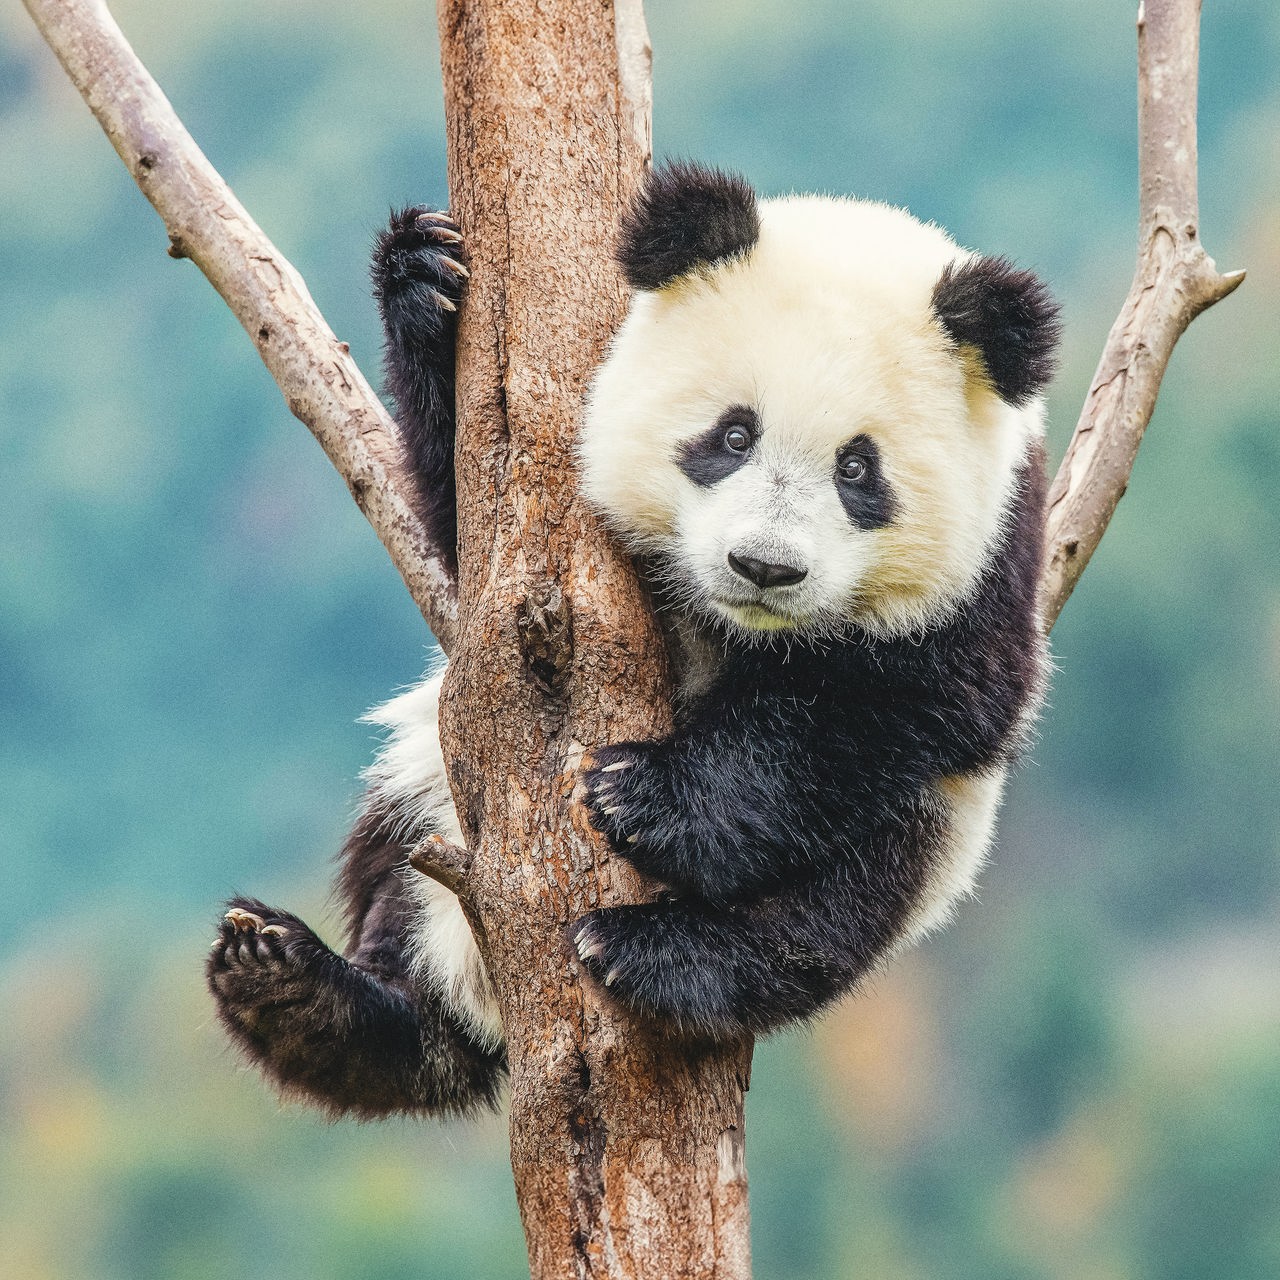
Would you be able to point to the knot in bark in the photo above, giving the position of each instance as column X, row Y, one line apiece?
column 546, row 636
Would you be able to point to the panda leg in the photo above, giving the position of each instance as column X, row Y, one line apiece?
column 418, row 279
column 721, row 972
column 364, row 1036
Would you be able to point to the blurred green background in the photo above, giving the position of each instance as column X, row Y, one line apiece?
column 1080, row 1079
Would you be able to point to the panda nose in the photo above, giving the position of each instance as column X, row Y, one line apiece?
column 766, row 575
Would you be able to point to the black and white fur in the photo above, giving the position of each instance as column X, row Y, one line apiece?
column 819, row 429
column 404, row 1021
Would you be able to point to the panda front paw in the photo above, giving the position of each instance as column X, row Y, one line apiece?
column 627, row 798
column 417, row 266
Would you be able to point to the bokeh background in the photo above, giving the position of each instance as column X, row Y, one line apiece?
column 1080, row 1079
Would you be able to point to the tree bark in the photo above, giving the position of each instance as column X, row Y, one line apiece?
column 627, row 1149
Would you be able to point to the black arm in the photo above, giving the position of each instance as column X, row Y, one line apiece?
column 418, row 281
column 776, row 775
column 795, row 753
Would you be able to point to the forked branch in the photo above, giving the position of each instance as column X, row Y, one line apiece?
column 206, row 223
column 1174, row 281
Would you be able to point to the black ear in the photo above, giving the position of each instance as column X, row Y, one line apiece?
column 686, row 216
column 1008, row 315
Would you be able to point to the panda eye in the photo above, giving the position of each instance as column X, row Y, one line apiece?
column 737, row 439
column 851, row 468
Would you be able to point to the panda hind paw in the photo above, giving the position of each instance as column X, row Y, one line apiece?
column 600, row 939
column 256, row 942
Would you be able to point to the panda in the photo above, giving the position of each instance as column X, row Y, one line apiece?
column 819, row 430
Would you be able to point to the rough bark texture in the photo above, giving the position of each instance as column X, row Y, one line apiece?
column 1174, row 281
column 627, row 1151
column 206, row 223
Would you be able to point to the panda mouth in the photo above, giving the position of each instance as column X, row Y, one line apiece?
column 755, row 615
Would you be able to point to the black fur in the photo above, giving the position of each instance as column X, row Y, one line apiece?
column 1008, row 315
column 686, row 216
column 360, row 1036
column 792, row 813
column 868, row 501
column 363, row 1035
column 416, row 280
column 707, row 459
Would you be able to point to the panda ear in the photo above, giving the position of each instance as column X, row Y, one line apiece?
column 686, row 216
column 1008, row 315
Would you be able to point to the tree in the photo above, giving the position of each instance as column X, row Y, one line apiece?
column 627, row 1152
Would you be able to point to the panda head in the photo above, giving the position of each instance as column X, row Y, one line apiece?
column 815, row 409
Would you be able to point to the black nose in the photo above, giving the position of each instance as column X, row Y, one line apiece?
column 766, row 575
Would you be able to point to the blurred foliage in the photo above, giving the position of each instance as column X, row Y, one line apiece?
column 1079, row 1080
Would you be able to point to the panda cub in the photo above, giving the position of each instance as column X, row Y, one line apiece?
column 819, row 430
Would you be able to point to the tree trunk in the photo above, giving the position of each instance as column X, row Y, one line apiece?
column 627, row 1150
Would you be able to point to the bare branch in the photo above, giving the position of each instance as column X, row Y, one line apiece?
column 635, row 74
column 1174, row 281
column 206, row 223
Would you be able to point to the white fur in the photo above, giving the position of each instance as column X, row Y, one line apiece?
column 408, row 778
column 826, row 329
column 969, row 803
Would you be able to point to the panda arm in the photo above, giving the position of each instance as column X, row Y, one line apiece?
column 790, row 759
column 740, row 800
column 418, row 282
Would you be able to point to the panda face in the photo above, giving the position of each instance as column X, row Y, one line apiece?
column 771, row 534
column 796, row 438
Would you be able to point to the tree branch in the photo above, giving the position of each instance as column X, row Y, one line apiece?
column 445, row 863
column 1174, row 281
column 206, row 223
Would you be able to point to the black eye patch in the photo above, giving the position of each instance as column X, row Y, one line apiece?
column 719, row 451
column 868, row 499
